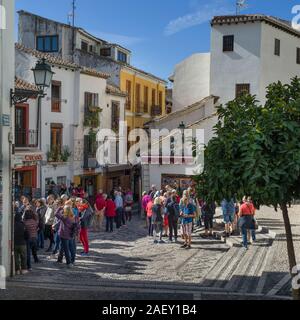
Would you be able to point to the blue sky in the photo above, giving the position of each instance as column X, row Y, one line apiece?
column 160, row 33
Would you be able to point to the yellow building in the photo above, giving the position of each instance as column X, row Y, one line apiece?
column 146, row 96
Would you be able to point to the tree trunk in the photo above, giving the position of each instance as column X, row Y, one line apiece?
column 290, row 246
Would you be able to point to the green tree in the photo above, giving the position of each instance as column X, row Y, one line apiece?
column 256, row 151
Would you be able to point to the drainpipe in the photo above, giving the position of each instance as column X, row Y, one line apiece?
column 39, row 135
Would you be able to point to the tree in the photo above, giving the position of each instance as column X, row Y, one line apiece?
column 256, row 151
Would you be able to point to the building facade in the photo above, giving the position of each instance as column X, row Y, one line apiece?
column 7, row 74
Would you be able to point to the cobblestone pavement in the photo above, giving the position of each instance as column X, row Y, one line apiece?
column 128, row 257
column 127, row 264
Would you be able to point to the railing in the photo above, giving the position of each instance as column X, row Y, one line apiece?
column 26, row 138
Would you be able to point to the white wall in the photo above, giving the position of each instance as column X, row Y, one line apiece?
column 276, row 68
column 7, row 74
column 191, row 80
column 240, row 66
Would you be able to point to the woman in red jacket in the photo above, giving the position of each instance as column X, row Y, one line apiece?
column 110, row 213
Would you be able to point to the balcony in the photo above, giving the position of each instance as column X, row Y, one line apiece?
column 156, row 111
column 26, row 138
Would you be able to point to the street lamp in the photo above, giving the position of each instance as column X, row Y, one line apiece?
column 182, row 128
column 42, row 77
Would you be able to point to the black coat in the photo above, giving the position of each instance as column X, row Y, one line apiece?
column 20, row 234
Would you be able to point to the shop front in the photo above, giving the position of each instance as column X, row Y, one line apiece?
column 26, row 173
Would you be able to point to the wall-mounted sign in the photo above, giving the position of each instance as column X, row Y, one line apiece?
column 6, row 120
column 37, row 157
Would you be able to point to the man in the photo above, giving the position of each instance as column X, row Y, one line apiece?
column 110, row 213
column 99, row 211
column 173, row 215
column 228, row 208
column 119, row 209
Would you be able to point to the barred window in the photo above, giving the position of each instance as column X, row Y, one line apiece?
column 241, row 89
column 228, row 43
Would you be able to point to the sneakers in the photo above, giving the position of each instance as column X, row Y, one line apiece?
column 24, row 272
column 184, row 246
column 84, row 254
column 155, row 242
column 161, row 241
column 18, row 272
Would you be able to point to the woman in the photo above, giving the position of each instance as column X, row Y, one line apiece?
column 157, row 220
column 128, row 199
column 187, row 214
column 41, row 212
column 247, row 221
column 66, row 218
column 145, row 199
column 110, row 214
column 31, row 227
column 49, row 220
column 86, row 215
column 149, row 217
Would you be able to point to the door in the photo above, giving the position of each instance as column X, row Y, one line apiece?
column 21, row 124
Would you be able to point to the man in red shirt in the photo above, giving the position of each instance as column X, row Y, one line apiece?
column 110, row 213
column 247, row 220
column 99, row 211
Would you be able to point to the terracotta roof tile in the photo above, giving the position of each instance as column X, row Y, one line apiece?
column 94, row 72
column 276, row 22
column 50, row 58
column 21, row 84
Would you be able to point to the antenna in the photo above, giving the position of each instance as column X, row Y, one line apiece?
column 240, row 5
column 71, row 15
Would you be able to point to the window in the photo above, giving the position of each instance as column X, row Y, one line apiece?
column 153, row 97
column 146, row 99
column 61, row 181
column 56, row 96
column 122, row 57
column 56, row 137
column 105, row 52
column 91, row 100
column 138, row 98
column 228, row 43
column 128, row 90
column 242, row 89
column 115, row 116
column 84, row 46
column 47, row 43
column 277, row 47
column 298, row 55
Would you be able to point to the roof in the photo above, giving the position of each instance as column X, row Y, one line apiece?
column 143, row 72
column 185, row 109
column 94, row 73
column 50, row 58
column 274, row 21
column 113, row 90
column 23, row 85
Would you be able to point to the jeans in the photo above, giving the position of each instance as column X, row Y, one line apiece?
column 172, row 227
column 245, row 235
column 109, row 224
column 31, row 248
column 73, row 250
column 119, row 217
column 41, row 239
column 65, row 249
column 20, row 257
column 157, row 230
column 150, row 227
column 57, row 243
column 49, row 235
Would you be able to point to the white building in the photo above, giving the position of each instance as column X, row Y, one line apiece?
column 249, row 52
column 7, row 73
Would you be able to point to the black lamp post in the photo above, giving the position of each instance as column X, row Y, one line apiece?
column 182, row 128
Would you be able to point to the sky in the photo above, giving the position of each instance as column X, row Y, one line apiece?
column 160, row 33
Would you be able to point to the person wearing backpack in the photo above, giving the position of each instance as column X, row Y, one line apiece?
column 173, row 215
column 208, row 212
column 85, row 215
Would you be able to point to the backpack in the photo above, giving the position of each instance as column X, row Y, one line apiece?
column 176, row 209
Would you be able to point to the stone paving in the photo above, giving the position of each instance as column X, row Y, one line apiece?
column 127, row 263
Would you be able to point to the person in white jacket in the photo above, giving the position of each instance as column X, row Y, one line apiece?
column 49, row 220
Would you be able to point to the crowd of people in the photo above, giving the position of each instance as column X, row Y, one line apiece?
column 165, row 211
column 66, row 219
